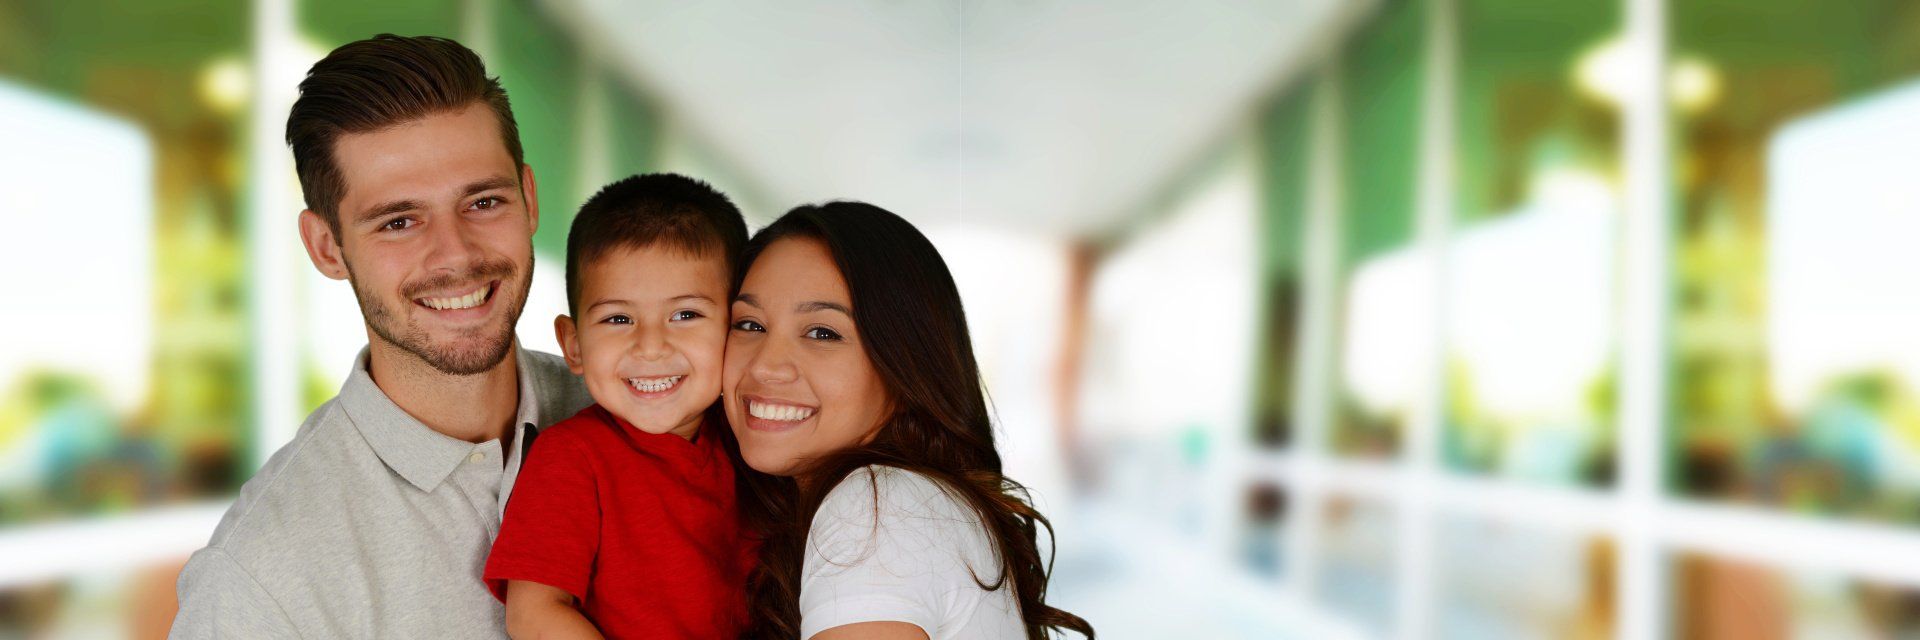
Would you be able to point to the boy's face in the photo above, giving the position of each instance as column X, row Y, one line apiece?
column 650, row 335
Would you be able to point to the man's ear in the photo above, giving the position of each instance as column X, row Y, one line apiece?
column 531, row 192
column 563, row 332
column 323, row 247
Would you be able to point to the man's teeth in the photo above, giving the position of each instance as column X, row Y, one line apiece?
column 651, row 385
column 459, row 302
column 778, row 412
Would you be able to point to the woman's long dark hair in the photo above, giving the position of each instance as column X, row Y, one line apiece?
column 914, row 330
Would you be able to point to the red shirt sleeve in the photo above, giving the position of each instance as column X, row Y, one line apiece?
column 551, row 530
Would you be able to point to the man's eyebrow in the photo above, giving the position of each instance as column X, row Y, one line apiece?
column 386, row 208
column 821, row 305
column 489, row 184
column 399, row 206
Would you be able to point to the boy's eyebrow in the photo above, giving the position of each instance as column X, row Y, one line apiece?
column 597, row 303
column 692, row 296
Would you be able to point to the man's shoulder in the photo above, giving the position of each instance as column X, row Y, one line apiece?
column 316, row 469
column 562, row 394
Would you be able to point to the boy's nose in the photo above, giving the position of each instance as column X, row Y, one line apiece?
column 651, row 344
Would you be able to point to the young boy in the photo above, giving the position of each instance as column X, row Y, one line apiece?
column 622, row 520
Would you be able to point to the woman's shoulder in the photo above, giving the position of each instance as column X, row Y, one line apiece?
column 891, row 493
column 890, row 511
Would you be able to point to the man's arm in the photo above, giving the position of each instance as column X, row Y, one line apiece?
column 538, row 611
column 219, row 599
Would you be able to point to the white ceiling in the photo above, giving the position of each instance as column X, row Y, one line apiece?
column 1046, row 116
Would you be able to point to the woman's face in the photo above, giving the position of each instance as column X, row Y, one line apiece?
column 797, row 380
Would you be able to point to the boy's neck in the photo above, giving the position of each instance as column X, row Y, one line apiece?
column 691, row 434
column 475, row 408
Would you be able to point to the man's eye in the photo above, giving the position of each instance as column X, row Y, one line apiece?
column 748, row 325
column 488, row 202
column 618, row 319
column 397, row 224
column 685, row 314
column 822, row 333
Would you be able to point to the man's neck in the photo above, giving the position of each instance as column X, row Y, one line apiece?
column 474, row 408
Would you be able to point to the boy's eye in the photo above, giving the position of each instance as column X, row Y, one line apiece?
column 397, row 224
column 685, row 314
column 618, row 319
column 822, row 333
column 748, row 325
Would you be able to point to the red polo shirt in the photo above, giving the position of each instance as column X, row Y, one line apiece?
column 640, row 528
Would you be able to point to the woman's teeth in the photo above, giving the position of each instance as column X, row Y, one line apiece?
column 653, row 385
column 778, row 412
column 459, row 302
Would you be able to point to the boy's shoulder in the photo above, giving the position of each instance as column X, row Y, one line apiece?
column 588, row 425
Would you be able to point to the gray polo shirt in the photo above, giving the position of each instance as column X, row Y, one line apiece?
column 369, row 524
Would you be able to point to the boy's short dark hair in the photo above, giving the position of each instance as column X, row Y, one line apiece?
column 654, row 209
column 372, row 84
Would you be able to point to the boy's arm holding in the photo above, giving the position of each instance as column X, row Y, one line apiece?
column 548, row 540
column 538, row 611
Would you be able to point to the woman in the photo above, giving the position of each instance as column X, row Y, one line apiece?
column 850, row 382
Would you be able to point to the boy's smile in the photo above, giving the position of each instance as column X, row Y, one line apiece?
column 650, row 335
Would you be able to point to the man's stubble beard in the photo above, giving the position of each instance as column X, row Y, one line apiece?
column 454, row 361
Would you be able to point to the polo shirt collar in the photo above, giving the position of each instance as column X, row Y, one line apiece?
column 409, row 447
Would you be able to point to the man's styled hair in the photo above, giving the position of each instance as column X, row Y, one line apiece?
column 373, row 84
column 665, row 209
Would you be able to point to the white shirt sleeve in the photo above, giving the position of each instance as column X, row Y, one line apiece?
column 892, row 545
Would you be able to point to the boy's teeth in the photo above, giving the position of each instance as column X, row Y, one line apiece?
column 458, row 302
column 650, row 385
column 778, row 412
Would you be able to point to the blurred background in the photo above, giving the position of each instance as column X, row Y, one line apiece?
column 1303, row 318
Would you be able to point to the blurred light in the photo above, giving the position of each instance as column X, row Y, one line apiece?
column 1382, row 339
column 1841, row 266
column 1693, row 84
column 225, row 85
column 79, row 245
column 1608, row 73
column 1530, row 299
column 1605, row 72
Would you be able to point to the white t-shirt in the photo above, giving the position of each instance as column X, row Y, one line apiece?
column 891, row 545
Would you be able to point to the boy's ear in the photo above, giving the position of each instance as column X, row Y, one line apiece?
column 563, row 331
column 323, row 247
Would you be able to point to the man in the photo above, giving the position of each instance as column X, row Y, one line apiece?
column 376, row 519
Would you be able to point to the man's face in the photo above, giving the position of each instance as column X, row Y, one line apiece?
column 436, row 237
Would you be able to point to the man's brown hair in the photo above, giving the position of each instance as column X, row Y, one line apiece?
column 373, row 84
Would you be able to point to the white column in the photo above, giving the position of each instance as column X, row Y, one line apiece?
column 1313, row 376
column 1434, row 198
column 1646, row 237
column 274, row 253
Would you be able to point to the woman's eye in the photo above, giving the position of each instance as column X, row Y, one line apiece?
column 748, row 325
column 618, row 319
column 685, row 314
column 822, row 333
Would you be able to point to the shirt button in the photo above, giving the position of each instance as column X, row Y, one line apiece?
column 476, row 457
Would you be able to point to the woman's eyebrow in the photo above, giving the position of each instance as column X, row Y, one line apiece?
column 821, row 305
column 747, row 299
